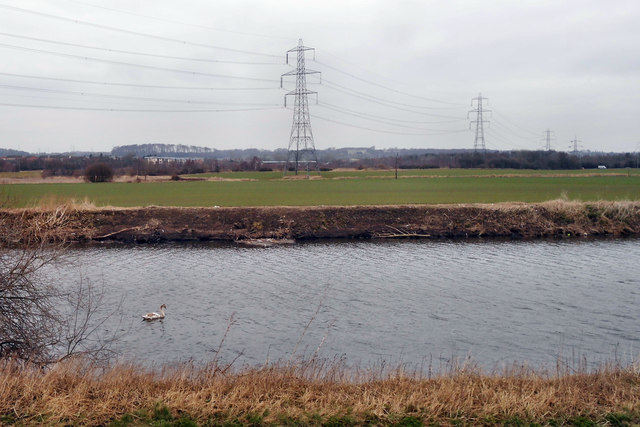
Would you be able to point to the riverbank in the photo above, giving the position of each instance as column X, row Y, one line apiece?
column 173, row 224
column 314, row 393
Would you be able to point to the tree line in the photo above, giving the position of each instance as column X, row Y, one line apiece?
column 170, row 163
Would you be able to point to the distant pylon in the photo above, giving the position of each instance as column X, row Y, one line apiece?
column 478, row 142
column 548, row 137
column 574, row 144
column 301, row 146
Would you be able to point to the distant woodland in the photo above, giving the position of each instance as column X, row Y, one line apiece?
column 172, row 159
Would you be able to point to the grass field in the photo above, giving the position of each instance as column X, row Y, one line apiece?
column 459, row 187
column 428, row 173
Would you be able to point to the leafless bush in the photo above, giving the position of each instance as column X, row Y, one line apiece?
column 29, row 320
column 40, row 321
column 99, row 172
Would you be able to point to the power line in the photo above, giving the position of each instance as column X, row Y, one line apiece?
column 367, row 71
column 129, row 52
column 315, row 116
column 500, row 131
column 513, row 123
column 495, row 133
column 386, row 100
column 386, row 87
column 103, row 83
column 61, row 101
column 134, row 98
column 127, row 110
column 380, row 101
column 509, row 142
column 135, row 33
column 505, row 142
column 129, row 64
column 510, row 130
column 171, row 21
column 419, row 122
column 377, row 119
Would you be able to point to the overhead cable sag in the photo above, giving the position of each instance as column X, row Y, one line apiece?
column 134, row 98
column 129, row 64
column 389, row 88
column 129, row 52
column 172, row 21
column 381, row 101
column 136, row 33
column 387, row 101
column 130, row 110
column 377, row 119
column 387, row 131
column 104, row 83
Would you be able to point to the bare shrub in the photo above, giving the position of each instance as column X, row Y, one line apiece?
column 99, row 172
column 43, row 322
column 29, row 320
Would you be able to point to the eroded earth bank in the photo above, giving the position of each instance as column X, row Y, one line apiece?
column 160, row 224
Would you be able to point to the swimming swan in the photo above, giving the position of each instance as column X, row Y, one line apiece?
column 155, row 316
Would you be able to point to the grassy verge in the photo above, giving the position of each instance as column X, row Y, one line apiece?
column 314, row 393
column 372, row 191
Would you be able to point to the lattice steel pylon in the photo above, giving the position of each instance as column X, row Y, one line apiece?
column 301, row 146
column 478, row 142
column 575, row 144
column 548, row 133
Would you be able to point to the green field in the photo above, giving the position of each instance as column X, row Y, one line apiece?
column 389, row 173
column 459, row 187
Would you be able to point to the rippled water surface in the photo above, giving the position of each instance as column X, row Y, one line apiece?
column 399, row 301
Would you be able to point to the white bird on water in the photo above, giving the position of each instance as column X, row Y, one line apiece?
column 154, row 315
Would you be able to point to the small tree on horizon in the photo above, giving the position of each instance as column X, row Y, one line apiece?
column 98, row 172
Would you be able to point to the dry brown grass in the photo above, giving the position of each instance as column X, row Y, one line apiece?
column 51, row 222
column 313, row 393
column 52, row 203
column 604, row 213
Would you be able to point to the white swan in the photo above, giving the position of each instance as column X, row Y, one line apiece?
column 154, row 315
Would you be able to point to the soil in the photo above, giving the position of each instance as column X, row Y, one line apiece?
column 272, row 224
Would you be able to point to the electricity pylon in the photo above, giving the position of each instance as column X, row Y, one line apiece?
column 478, row 142
column 574, row 144
column 301, row 146
column 548, row 137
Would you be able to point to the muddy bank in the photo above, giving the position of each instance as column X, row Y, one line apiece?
column 160, row 224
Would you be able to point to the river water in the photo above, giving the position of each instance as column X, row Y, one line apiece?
column 390, row 302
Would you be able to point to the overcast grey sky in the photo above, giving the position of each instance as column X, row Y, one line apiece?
column 91, row 74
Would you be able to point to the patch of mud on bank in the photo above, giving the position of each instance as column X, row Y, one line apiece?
column 266, row 226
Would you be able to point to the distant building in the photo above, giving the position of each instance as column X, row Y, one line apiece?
column 167, row 159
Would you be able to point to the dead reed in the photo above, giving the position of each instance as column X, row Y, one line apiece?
column 313, row 393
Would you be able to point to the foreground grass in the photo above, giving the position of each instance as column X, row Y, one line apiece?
column 372, row 191
column 314, row 393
